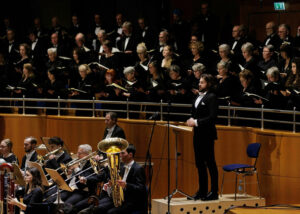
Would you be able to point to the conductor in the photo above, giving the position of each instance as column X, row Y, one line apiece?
column 204, row 114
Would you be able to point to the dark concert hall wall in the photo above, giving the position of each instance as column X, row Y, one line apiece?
column 256, row 14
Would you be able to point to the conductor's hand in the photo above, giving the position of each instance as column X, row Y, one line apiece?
column 191, row 122
column 122, row 183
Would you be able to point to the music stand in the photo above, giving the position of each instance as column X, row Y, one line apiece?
column 19, row 179
column 43, row 176
column 60, row 183
column 176, row 130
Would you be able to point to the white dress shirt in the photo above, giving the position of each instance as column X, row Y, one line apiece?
column 110, row 131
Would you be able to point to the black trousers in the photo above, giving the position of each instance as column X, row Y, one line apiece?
column 106, row 206
column 205, row 159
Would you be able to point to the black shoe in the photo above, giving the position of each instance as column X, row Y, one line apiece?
column 196, row 196
column 211, row 196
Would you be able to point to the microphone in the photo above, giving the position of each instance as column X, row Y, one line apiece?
column 154, row 116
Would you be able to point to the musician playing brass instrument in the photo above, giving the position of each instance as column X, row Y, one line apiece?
column 77, row 171
column 61, row 156
column 132, row 184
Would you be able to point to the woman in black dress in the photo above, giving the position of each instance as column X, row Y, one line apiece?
column 33, row 193
column 27, row 87
column 6, row 151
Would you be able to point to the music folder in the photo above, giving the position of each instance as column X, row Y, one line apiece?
column 256, row 96
column 9, row 87
column 118, row 86
column 180, row 128
column 19, row 179
column 78, row 90
column 61, row 183
column 43, row 176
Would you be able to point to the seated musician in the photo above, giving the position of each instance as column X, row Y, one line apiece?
column 59, row 157
column 133, row 184
column 75, row 172
column 6, row 151
column 31, row 154
column 33, row 193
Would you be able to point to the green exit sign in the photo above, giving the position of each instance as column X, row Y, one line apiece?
column 279, row 6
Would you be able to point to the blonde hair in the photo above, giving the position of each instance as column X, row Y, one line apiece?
column 29, row 68
column 198, row 45
column 141, row 48
column 85, row 67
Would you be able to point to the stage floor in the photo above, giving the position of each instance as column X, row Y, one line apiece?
column 184, row 206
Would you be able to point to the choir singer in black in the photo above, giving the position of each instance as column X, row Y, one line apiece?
column 204, row 114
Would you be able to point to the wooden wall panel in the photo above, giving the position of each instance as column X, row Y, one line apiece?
column 278, row 166
column 255, row 14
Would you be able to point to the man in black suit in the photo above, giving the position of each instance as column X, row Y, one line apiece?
column 145, row 34
column 237, row 44
column 38, row 53
column 133, row 184
column 204, row 114
column 31, row 154
column 112, row 129
column 272, row 36
column 127, row 44
column 11, row 47
column 76, row 172
column 284, row 33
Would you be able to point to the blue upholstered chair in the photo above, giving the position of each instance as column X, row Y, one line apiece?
column 244, row 169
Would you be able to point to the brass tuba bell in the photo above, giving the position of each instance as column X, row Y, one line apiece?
column 112, row 147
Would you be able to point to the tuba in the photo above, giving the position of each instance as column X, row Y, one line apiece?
column 10, row 187
column 112, row 147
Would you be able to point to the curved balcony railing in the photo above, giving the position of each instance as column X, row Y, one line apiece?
column 228, row 115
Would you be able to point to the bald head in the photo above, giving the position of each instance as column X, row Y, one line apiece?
column 270, row 28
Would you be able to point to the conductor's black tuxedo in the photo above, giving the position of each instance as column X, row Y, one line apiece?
column 204, row 135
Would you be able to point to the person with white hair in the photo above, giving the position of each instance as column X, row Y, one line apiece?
column 84, row 89
column 284, row 33
column 198, row 70
column 141, row 66
column 228, row 86
column 82, row 189
column 134, row 88
column 250, row 61
column 273, row 88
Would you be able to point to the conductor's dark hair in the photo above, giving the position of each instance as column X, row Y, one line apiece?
column 131, row 149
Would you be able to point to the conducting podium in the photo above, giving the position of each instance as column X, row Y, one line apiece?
column 177, row 130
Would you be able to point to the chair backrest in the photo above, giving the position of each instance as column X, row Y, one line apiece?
column 253, row 150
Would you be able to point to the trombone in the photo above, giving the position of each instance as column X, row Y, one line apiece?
column 93, row 166
column 41, row 159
